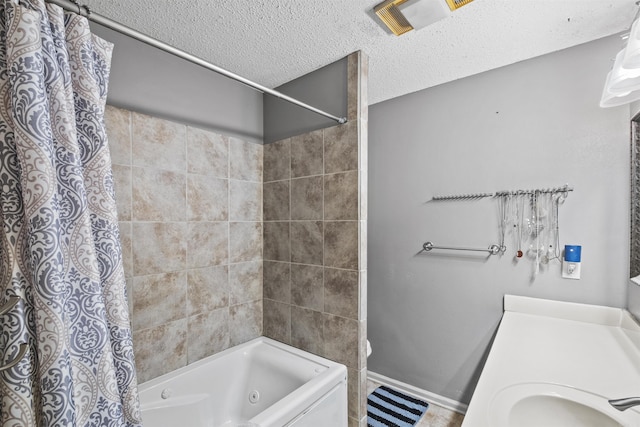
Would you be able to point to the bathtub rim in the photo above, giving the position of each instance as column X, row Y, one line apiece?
column 294, row 402
column 248, row 344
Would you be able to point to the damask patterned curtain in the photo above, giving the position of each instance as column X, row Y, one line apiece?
column 59, row 241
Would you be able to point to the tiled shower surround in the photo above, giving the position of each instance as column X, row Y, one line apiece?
column 314, row 198
column 215, row 247
column 190, row 211
column 312, row 292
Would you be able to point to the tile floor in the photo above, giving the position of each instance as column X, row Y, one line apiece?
column 436, row 416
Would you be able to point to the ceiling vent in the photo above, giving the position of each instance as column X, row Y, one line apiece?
column 401, row 16
column 457, row 4
column 390, row 14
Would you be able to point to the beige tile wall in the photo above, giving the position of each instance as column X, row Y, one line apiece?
column 191, row 205
column 190, row 210
column 314, row 216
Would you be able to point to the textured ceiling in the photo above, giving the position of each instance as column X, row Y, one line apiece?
column 275, row 41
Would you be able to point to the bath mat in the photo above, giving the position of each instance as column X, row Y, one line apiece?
column 387, row 407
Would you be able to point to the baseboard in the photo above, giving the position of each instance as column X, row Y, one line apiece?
column 436, row 399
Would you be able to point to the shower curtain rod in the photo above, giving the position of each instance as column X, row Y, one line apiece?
column 83, row 10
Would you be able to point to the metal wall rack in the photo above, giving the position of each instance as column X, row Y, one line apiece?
column 492, row 249
column 472, row 196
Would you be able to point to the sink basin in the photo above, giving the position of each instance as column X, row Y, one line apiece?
column 552, row 410
column 552, row 405
column 556, row 364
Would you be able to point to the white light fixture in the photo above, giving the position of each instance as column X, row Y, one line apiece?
column 402, row 16
column 610, row 99
column 622, row 79
column 632, row 51
column 622, row 84
column 421, row 13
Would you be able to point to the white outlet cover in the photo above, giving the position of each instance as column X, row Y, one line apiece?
column 575, row 274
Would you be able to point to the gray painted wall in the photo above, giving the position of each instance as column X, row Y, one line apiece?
column 325, row 88
column 534, row 124
column 150, row 81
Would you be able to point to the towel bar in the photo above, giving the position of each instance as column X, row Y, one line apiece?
column 492, row 249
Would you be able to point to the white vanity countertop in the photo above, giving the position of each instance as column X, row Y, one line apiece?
column 590, row 348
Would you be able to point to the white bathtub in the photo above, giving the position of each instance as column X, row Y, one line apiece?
column 260, row 383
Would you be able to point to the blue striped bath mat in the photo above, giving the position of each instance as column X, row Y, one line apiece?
column 387, row 407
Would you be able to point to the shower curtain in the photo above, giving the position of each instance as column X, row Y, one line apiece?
column 59, row 241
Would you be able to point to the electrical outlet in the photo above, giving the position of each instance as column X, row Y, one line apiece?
column 570, row 270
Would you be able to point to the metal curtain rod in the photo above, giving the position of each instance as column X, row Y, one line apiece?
column 127, row 31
